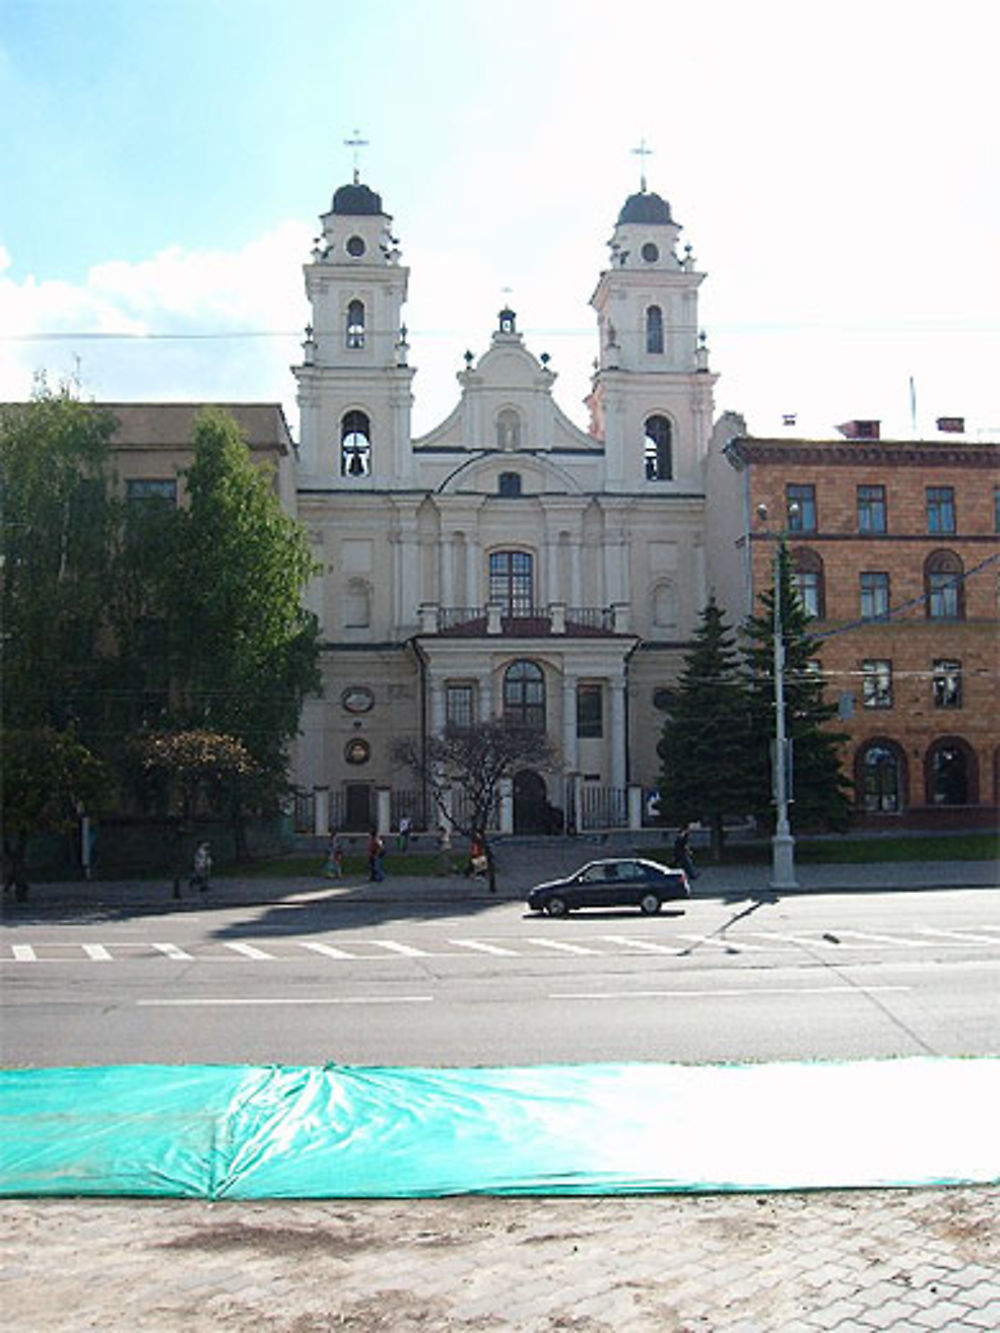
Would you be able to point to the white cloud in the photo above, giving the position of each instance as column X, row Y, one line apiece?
column 195, row 297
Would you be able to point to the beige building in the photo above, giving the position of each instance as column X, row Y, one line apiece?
column 507, row 563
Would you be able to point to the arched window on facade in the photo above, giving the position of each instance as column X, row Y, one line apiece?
column 880, row 778
column 807, row 573
column 357, row 605
column 512, row 582
column 950, row 773
column 944, row 586
column 658, row 450
column 356, row 324
column 508, row 429
column 524, row 695
column 654, row 329
column 355, row 445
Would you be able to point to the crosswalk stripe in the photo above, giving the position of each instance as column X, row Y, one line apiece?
column 959, row 936
column 560, row 945
column 723, row 942
column 25, row 953
column 247, row 950
column 803, row 941
column 97, row 952
column 407, row 950
column 483, row 947
column 173, row 951
column 647, row 946
column 327, row 950
column 881, row 939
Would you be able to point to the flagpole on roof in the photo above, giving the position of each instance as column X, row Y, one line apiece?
column 913, row 408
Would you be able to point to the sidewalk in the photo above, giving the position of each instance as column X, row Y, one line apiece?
column 904, row 1260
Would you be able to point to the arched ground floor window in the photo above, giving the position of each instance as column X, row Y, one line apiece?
column 880, row 777
column 951, row 774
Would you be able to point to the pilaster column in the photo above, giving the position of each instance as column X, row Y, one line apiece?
column 618, row 748
column 437, row 706
column 569, row 742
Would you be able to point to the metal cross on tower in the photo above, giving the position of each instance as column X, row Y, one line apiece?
column 357, row 143
column 642, row 152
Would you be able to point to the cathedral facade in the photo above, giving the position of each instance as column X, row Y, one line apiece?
column 507, row 563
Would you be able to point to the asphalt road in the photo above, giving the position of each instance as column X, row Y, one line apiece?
column 828, row 976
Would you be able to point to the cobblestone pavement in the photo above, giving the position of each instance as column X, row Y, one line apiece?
column 905, row 1260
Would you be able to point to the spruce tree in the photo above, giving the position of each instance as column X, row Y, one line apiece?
column 706, row 737
column 818, row 789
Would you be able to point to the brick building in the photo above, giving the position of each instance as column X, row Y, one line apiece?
column 896, row 548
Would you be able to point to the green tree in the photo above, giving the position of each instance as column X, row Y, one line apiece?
column 243, row 652
column 474, row 760
column 819, row 791
column 705, row 747
column 48, row 778
column 57, row 521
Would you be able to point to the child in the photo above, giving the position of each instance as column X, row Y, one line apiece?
column 202, row 867
column 334, row 865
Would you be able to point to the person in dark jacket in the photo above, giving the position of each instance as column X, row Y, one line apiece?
column 683, row 859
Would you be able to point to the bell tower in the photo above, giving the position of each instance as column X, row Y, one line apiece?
column 354, row 383
column 652, row 398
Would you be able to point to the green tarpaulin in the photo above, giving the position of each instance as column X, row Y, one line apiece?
column 348, row 1131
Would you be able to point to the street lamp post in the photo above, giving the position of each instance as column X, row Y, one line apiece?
column 782, row 843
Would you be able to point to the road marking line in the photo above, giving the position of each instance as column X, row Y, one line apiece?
column 173, row 951
column 632, row 943
column 960, row 936
column 803, row 941
column 882, row 939
column 327, row 950
column 560, row 944
column 486, row 948
column 407, row 950
column 722, row 942
column 24, row 953
column 248, row 950
column 191, row 1003
column 723, row 992
column 96, row 952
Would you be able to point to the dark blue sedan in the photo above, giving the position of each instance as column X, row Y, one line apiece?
column 614, row 882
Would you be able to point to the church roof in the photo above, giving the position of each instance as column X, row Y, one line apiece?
column 645, row 208
column 357, row 200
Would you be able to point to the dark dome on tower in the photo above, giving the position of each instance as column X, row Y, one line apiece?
column 357, row 200
column 646, row 209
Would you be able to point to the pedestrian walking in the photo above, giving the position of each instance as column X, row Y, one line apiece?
column 333, row 867
column 376, row 857
column 403, row 839
column 683, row 859
column 202, row 867
column 477, row 864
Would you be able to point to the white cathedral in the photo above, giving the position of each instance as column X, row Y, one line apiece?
column 507, row 563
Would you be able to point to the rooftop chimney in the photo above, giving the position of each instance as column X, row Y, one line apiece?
column 860, row 430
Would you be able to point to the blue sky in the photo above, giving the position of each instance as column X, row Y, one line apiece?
column 163, row 163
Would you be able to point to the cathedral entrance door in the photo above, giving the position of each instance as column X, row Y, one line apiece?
column 532, row 813
column 357, row 806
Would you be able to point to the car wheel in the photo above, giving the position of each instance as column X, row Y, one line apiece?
column 557, row 907
column 649, row 904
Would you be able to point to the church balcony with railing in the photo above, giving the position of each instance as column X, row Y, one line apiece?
column 555, row 620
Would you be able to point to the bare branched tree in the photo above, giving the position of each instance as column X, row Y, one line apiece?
column 474, row 759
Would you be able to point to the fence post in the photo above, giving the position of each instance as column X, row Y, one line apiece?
column 321, row 811
column 634, row 806
column 506, row 789
column 383, row 812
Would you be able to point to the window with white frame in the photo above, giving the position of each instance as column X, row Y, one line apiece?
column 876, row 682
